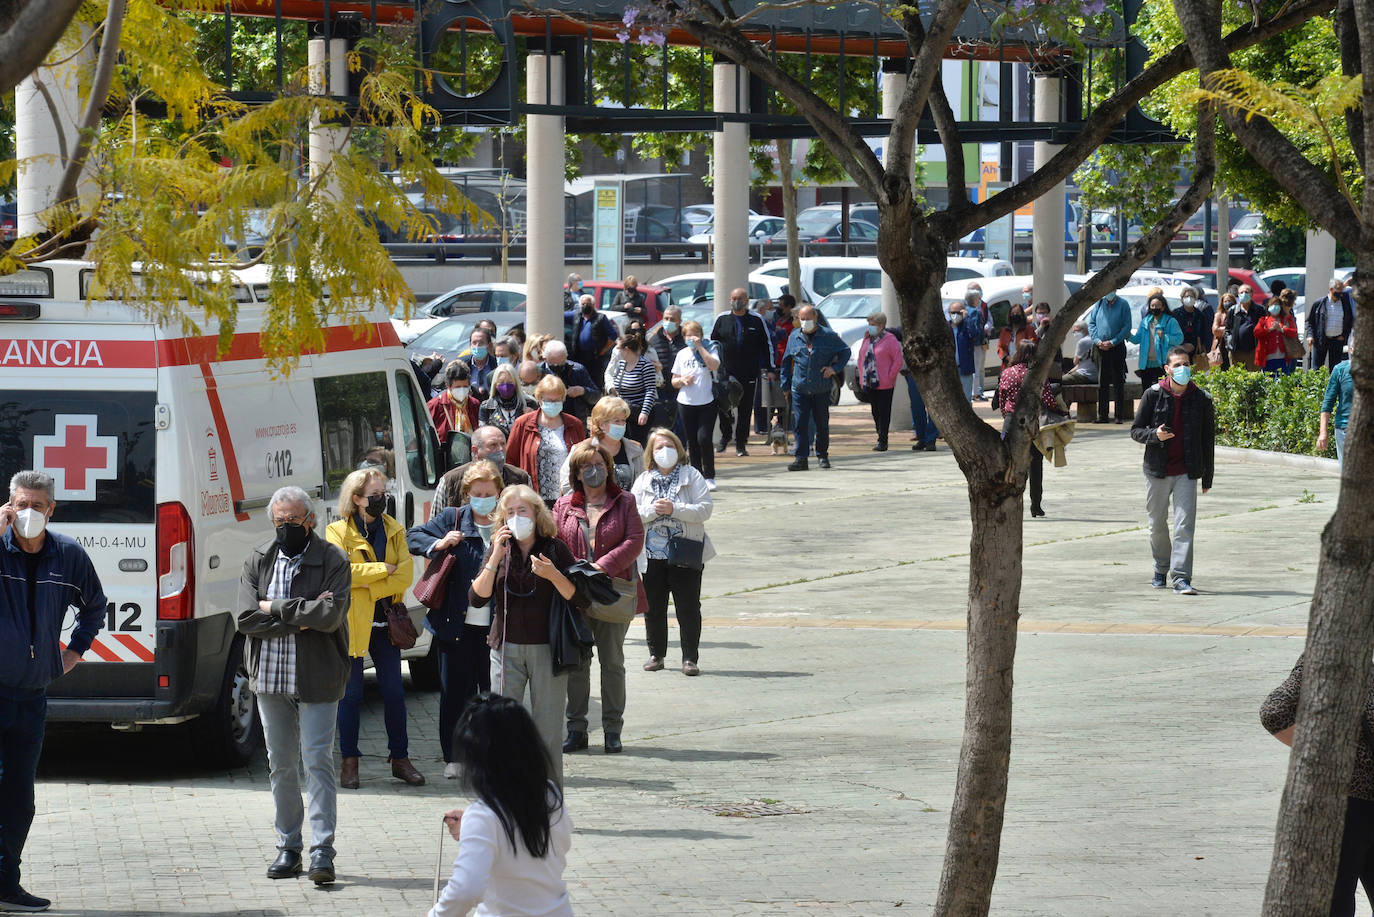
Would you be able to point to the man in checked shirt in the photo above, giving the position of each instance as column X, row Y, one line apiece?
column 293, row 610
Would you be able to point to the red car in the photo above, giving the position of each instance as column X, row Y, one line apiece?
column 1239, row 275
column 655, row 298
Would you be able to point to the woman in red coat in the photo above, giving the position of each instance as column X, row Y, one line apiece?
column 1015, row 335
column 541, row 440
column 454, row 410
column 1270, row 332
column 600, row 522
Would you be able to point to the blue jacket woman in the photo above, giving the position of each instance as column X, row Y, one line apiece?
column 1158, row 331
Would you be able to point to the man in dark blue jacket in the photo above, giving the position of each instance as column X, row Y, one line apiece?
column 41, row 574
column 814, row 357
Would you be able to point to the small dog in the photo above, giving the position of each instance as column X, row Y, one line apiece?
column 779, row 440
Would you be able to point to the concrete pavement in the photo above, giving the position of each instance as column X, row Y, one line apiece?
column 810, row 769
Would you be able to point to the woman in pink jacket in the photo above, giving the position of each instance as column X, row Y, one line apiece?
column 600, row 522
column 880, row 361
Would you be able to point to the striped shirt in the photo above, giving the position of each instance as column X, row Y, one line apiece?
column 277, row 660
column 638, row 385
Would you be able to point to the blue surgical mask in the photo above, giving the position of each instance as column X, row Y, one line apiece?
column 670, row 327
column 483, row 506
column 552, row 408
column 1274, row 310
column 616, row 431
column 1182, row 375
column 479, row 353
column 873, row 331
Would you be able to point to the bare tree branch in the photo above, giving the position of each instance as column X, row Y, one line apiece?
column 948, row 128
column 95, row 104
column 32, row 35
column 41, row 87
column 1107, row 115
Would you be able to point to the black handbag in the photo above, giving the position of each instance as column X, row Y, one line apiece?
column 685, row 552
column 570, row 636
column 592, row 583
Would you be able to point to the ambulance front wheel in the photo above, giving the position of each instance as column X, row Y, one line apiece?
column 229, row 734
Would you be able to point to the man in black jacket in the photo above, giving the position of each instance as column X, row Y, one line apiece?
column 1329, row 321
column 746, row 351
column 667, row 342
column 1177, row 423
column 293, row 611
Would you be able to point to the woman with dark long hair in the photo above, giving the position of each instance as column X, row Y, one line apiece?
column 513, row 840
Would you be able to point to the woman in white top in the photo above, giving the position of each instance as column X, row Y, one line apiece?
column 674, row 504
column 692, row 377
column 513, row 841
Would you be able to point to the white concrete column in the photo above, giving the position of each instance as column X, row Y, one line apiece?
column 1321, row 264
column 1047, row 225
column 894, row 85
column 328, row 75
column 730, row 167
column 544, row 198
column 41, row 133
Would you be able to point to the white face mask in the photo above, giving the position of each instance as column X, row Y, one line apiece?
column 665, row 456
column 808, row 326
column 29, row 523
column 521, row 527
column 459, row 395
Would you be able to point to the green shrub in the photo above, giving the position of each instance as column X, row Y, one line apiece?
column 1257, row 411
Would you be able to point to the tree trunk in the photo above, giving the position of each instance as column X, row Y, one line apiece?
column 789, row 215
column 994, row 598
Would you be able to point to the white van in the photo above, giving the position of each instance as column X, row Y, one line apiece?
column 821, row 276
column 164, row 458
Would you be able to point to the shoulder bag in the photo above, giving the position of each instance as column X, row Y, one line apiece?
column 622, row 610
column 1293, row 349
column 432, row 587
column 685, row 552
column 399, row 627
column 570, row 637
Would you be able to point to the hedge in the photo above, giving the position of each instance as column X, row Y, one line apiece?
column 1257, row 411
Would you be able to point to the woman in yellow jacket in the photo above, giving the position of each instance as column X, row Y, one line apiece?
column 376, row 547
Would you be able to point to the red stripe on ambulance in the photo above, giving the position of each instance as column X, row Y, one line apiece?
column 133, row 646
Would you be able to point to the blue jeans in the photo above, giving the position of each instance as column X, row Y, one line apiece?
column 1340, row 445
column 386, row 660
column 21, row 742
column 464, row 669
column 811, row 417
column 922, row 424
column 1278, row 365
column 297, row 733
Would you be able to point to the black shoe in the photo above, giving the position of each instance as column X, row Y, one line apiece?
column 287, row 865
column 613, row 746
column 742, row 453
column 881, row 447
column 1037, row 511
column 798, row 465
column 19, row 900
column 824, row 462
column 929, row 447
column 321, row 868
column 721, row 447
column 576, row 741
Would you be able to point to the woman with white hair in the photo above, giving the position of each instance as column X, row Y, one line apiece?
column 507, row 401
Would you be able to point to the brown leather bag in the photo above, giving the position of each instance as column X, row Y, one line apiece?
column 399, row 626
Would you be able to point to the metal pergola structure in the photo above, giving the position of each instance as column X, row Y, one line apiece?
column 577, row 29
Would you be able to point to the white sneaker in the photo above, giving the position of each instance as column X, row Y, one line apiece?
column 710, row 483
column 452, row 771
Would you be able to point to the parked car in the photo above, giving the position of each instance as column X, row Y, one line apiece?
column 463, row 300
column 762, row 229
column 821, row 228
column 656, row 296
column 1206, row 276
column 971, row 268
column 703, row 214
column 450, row 337
column 1246, row 229
column 822, row 275
column 683, row 290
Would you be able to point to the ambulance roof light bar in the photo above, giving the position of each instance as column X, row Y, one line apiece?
column 28, row 282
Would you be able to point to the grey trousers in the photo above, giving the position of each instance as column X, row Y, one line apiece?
column 610, row 654
column 1174, row 558
column 529, row 666
column 296, row 733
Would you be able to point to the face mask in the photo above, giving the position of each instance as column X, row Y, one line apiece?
column 808, row 326
column 1273, row 310
column 670, row 327
column 292, row 537
column 593, row 476
column 551, row 408
column 503, row 361
column 459, row 395
column 1182, row 374
column 1017, row 319
column 957, row 317
column 483, row 506
column 615, row 431
column 521, row 527
column 376, row 505
column 738, row 306
column 505, row 389
column 1025, row 297
column 30, row 523
column 1245, row 297
column 497, row 458
column 872, row 331
column 1156, row 311
column 665, row 456
column 1189, row 302
column 589, row 311
column 479, row 353
column 973, row 298
column 1110, row 297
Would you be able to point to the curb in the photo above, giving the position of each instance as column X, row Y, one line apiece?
column 1282, row 459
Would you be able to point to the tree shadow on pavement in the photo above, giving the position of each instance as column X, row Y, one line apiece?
column 686, row 834
column 611, row 783
column 696, row 754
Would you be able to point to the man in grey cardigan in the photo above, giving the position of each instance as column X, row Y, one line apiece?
column 293, row 609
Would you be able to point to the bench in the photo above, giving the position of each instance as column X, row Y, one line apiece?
column 1085, row 397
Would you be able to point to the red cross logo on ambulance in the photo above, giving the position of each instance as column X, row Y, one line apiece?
column 76, row 456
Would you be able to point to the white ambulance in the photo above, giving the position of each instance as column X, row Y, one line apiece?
column 164, row 457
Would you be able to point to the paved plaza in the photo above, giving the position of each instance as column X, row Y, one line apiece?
column 810, row 769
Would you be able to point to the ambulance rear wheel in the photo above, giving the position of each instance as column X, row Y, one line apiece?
column 229, row 734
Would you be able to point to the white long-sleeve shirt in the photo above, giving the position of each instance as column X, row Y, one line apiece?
column 503, row 882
